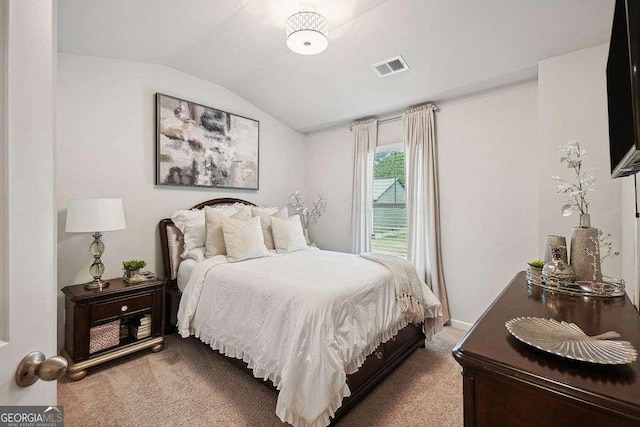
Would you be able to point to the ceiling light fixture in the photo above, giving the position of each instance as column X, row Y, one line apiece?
column 307, row 33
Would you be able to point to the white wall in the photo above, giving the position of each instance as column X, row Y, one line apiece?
column 572, row 105
column 489, row 213
column 106, row 149
column 329, row 170
column 629, row 241
column 487, row 167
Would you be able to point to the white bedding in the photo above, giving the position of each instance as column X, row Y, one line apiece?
column 304, row 320
column 186, row 268
column 184, row 272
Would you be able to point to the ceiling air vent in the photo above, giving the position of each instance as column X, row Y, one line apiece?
column 391, row 66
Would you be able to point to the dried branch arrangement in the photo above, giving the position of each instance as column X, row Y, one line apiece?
column 307, row 215
column 577, row 189
column 602, row 244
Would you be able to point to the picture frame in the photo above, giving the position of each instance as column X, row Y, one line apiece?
column 202, row 146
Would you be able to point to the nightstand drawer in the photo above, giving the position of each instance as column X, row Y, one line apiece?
column 120, row 307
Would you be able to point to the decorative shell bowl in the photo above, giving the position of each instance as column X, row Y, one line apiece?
column 568, row 340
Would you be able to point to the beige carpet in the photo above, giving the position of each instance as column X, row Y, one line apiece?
column 188, row 384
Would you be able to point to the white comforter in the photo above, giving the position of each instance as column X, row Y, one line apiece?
column 304, row 320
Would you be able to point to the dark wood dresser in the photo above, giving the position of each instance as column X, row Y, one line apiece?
column 508, row 383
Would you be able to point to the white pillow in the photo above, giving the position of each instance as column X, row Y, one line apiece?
column 287, row 234
column 214, row 242
column 228, row 210
column 191, row 223
column 243, row 239
column 264, row 209
column 265, row 221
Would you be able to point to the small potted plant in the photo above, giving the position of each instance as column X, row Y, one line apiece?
column 535, row 270
column 132, row 269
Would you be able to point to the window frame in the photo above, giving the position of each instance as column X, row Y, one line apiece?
column 387, row 148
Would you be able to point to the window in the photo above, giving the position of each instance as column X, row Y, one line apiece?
column 389, row 203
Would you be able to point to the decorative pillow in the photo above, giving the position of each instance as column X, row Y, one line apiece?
column 214, row 242
column 243, row 239
column 191, row 223
column 255, row 210
column 265, row 221
column 287, row 234
column 228, row 210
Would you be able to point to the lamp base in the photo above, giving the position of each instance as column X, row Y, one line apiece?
column 97, row 284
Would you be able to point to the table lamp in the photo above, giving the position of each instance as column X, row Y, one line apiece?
column 95, row 216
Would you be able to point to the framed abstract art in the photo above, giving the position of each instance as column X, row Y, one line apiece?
column 200, row 146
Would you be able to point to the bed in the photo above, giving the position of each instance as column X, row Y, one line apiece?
column 322, row 335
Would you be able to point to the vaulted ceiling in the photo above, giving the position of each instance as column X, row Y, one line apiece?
column 452, row 47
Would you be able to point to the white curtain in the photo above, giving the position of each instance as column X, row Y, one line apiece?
column 423, row 204
column 365, row 138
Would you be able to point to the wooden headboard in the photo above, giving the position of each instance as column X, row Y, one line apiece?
column 171, row 239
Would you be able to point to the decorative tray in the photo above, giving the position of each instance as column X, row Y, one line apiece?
column 609, row 288
column 567, row 340
column 142, row 277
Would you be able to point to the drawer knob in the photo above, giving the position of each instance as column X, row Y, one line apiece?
column 379, row 355
column 124, row 308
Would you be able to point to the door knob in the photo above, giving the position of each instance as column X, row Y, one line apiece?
column 36, row 365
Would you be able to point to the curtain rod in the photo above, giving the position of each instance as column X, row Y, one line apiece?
column 392, row 119
column 381, row 122
column 389, row 120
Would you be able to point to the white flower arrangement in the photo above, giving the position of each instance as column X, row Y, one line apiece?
column 300, row 208
column 576, row 190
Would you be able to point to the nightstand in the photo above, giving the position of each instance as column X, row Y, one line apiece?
column 119, row 305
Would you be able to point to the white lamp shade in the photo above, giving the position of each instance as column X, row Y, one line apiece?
column 307, row 42
column 307, row 33
column 91, row 215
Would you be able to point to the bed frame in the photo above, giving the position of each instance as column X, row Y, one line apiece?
column 377, row 365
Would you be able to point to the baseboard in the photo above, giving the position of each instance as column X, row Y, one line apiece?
column 459, row 324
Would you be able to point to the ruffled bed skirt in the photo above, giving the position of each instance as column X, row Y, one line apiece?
column 431, row 326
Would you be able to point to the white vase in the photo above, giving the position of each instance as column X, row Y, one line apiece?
column 306, row 235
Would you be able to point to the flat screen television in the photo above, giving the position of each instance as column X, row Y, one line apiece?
column 623, row 89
